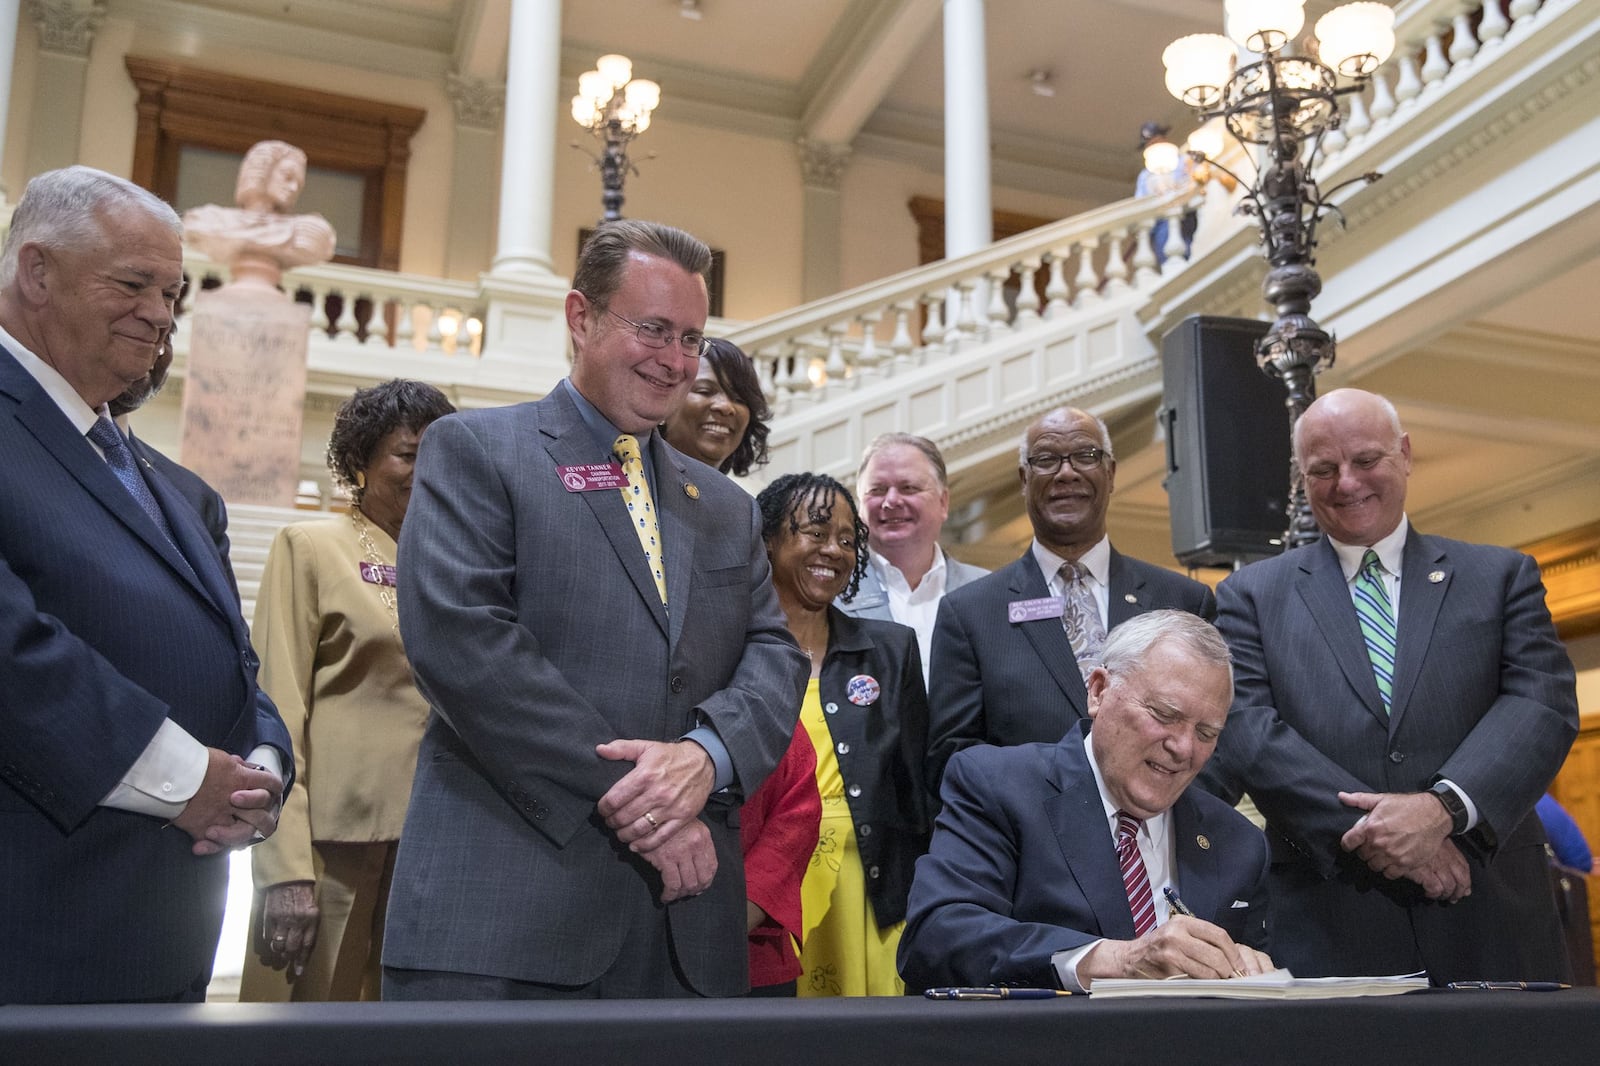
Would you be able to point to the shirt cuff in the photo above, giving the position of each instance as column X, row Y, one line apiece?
column 1066, row 966
column 707, row 738
column 1466, row 801
column 165, row 776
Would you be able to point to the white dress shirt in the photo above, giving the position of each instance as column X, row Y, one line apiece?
column 1097, row 561
column 915, row 607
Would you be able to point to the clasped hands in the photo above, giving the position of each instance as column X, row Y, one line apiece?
column 1408, row 835
column 235, row 802
column 655, row 808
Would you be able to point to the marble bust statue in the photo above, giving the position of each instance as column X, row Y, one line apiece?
column 260, row 239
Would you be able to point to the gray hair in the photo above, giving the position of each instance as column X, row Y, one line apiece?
column 64, row 209
column 1105, row 434
column 1129, row 643
column 599, row 272
column 930, row 451
column 1383, row 405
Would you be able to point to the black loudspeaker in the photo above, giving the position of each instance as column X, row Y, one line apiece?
column 1227, row 443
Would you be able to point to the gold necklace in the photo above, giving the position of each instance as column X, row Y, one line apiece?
column 373, row 557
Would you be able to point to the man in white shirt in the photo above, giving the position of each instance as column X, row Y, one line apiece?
column 904, row 494
column 1053, row 865
column 1012, row 649
column 137, row 745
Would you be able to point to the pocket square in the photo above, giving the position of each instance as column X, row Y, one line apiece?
column 1238, row 904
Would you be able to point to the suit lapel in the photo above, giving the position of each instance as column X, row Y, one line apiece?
column 1195, row 863
column 1125, row 592
column 677, row 510
column 38, row 413
column 1420, row 601
column 1326, row 594
column 1079, row 820
column 570, row 443
column 204, row 568
column 1047, row 636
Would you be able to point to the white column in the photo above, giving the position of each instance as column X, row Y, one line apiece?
column 968, row 220
column 821, row 167
column 527, row 165
column 8, row 49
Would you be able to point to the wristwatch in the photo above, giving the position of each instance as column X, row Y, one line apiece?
column 1454, row 807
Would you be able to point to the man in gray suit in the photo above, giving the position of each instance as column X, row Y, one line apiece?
column 904, row 493
column 1400, row 704
column 1011, row 650
column 591, row 616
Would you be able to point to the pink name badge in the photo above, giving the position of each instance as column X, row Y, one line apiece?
column 378, row 574
column 592, row 477
column 1035, row 610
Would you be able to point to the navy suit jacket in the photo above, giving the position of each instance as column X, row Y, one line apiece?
column 1023, row 865
column 1483, row 695
column 995, row 681
column 535, row 631
column 105, row 631
column 206, row 501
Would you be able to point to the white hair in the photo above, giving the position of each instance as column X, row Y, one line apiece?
column 1129, row 644
column 64, row 209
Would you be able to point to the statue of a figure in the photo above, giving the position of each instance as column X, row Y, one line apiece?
column 260, row 239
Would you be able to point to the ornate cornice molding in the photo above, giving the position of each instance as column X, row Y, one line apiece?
column 64, row 27
column 478, row 103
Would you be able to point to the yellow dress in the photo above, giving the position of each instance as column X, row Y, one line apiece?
column 844, row 952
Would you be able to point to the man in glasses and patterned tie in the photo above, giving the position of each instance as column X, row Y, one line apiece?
column 1054, row 865
column 1401, row 702
column 1011, row 650
column 590, row 614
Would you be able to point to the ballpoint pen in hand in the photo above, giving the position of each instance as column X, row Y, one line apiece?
column 994, row 992
column 1179, row 907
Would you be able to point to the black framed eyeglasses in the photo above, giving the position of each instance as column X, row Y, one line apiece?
column 1047, row 463
column 655, row 335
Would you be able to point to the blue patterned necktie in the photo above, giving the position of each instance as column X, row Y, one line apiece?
column 1377, row 623
column 1081, row 617
column 119, row 457
column 641, row 508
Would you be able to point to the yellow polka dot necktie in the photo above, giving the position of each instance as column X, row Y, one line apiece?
column 641, row 508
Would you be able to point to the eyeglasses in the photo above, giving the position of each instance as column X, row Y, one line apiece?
column 654, row 335
column 1047, row 463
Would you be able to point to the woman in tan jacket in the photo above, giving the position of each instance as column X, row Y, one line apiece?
column 327, row 631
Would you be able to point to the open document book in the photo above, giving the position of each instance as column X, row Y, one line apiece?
column 1279, row 984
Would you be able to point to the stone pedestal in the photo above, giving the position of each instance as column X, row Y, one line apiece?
column 243, row 399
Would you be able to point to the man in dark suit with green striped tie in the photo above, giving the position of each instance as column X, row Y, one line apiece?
column 1401, row 701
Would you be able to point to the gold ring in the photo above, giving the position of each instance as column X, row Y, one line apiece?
column 651, row 819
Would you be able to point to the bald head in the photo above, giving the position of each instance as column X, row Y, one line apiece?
column 1356, row 460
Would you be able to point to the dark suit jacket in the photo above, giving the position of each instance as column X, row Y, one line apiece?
column 995, row 681
column 1483, row 695
column 879, row 747
column 1023, row 865
column 536, row 633
column 105, row 631
column 206, row 501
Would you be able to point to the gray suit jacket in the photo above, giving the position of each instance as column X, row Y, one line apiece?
column 536, row 633
column 995, row 681
column 1483, row 695
column 1023, row 865
column 872, row 599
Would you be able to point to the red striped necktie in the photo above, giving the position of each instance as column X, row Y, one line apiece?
column 1134, row 879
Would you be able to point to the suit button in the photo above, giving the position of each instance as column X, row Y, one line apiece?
column 250, row 660
column 832, row 708
column 1397, row 757
column 843, row 748
column 676, row 684
column 864, row 831
column 872, row 872
column 855, row 791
